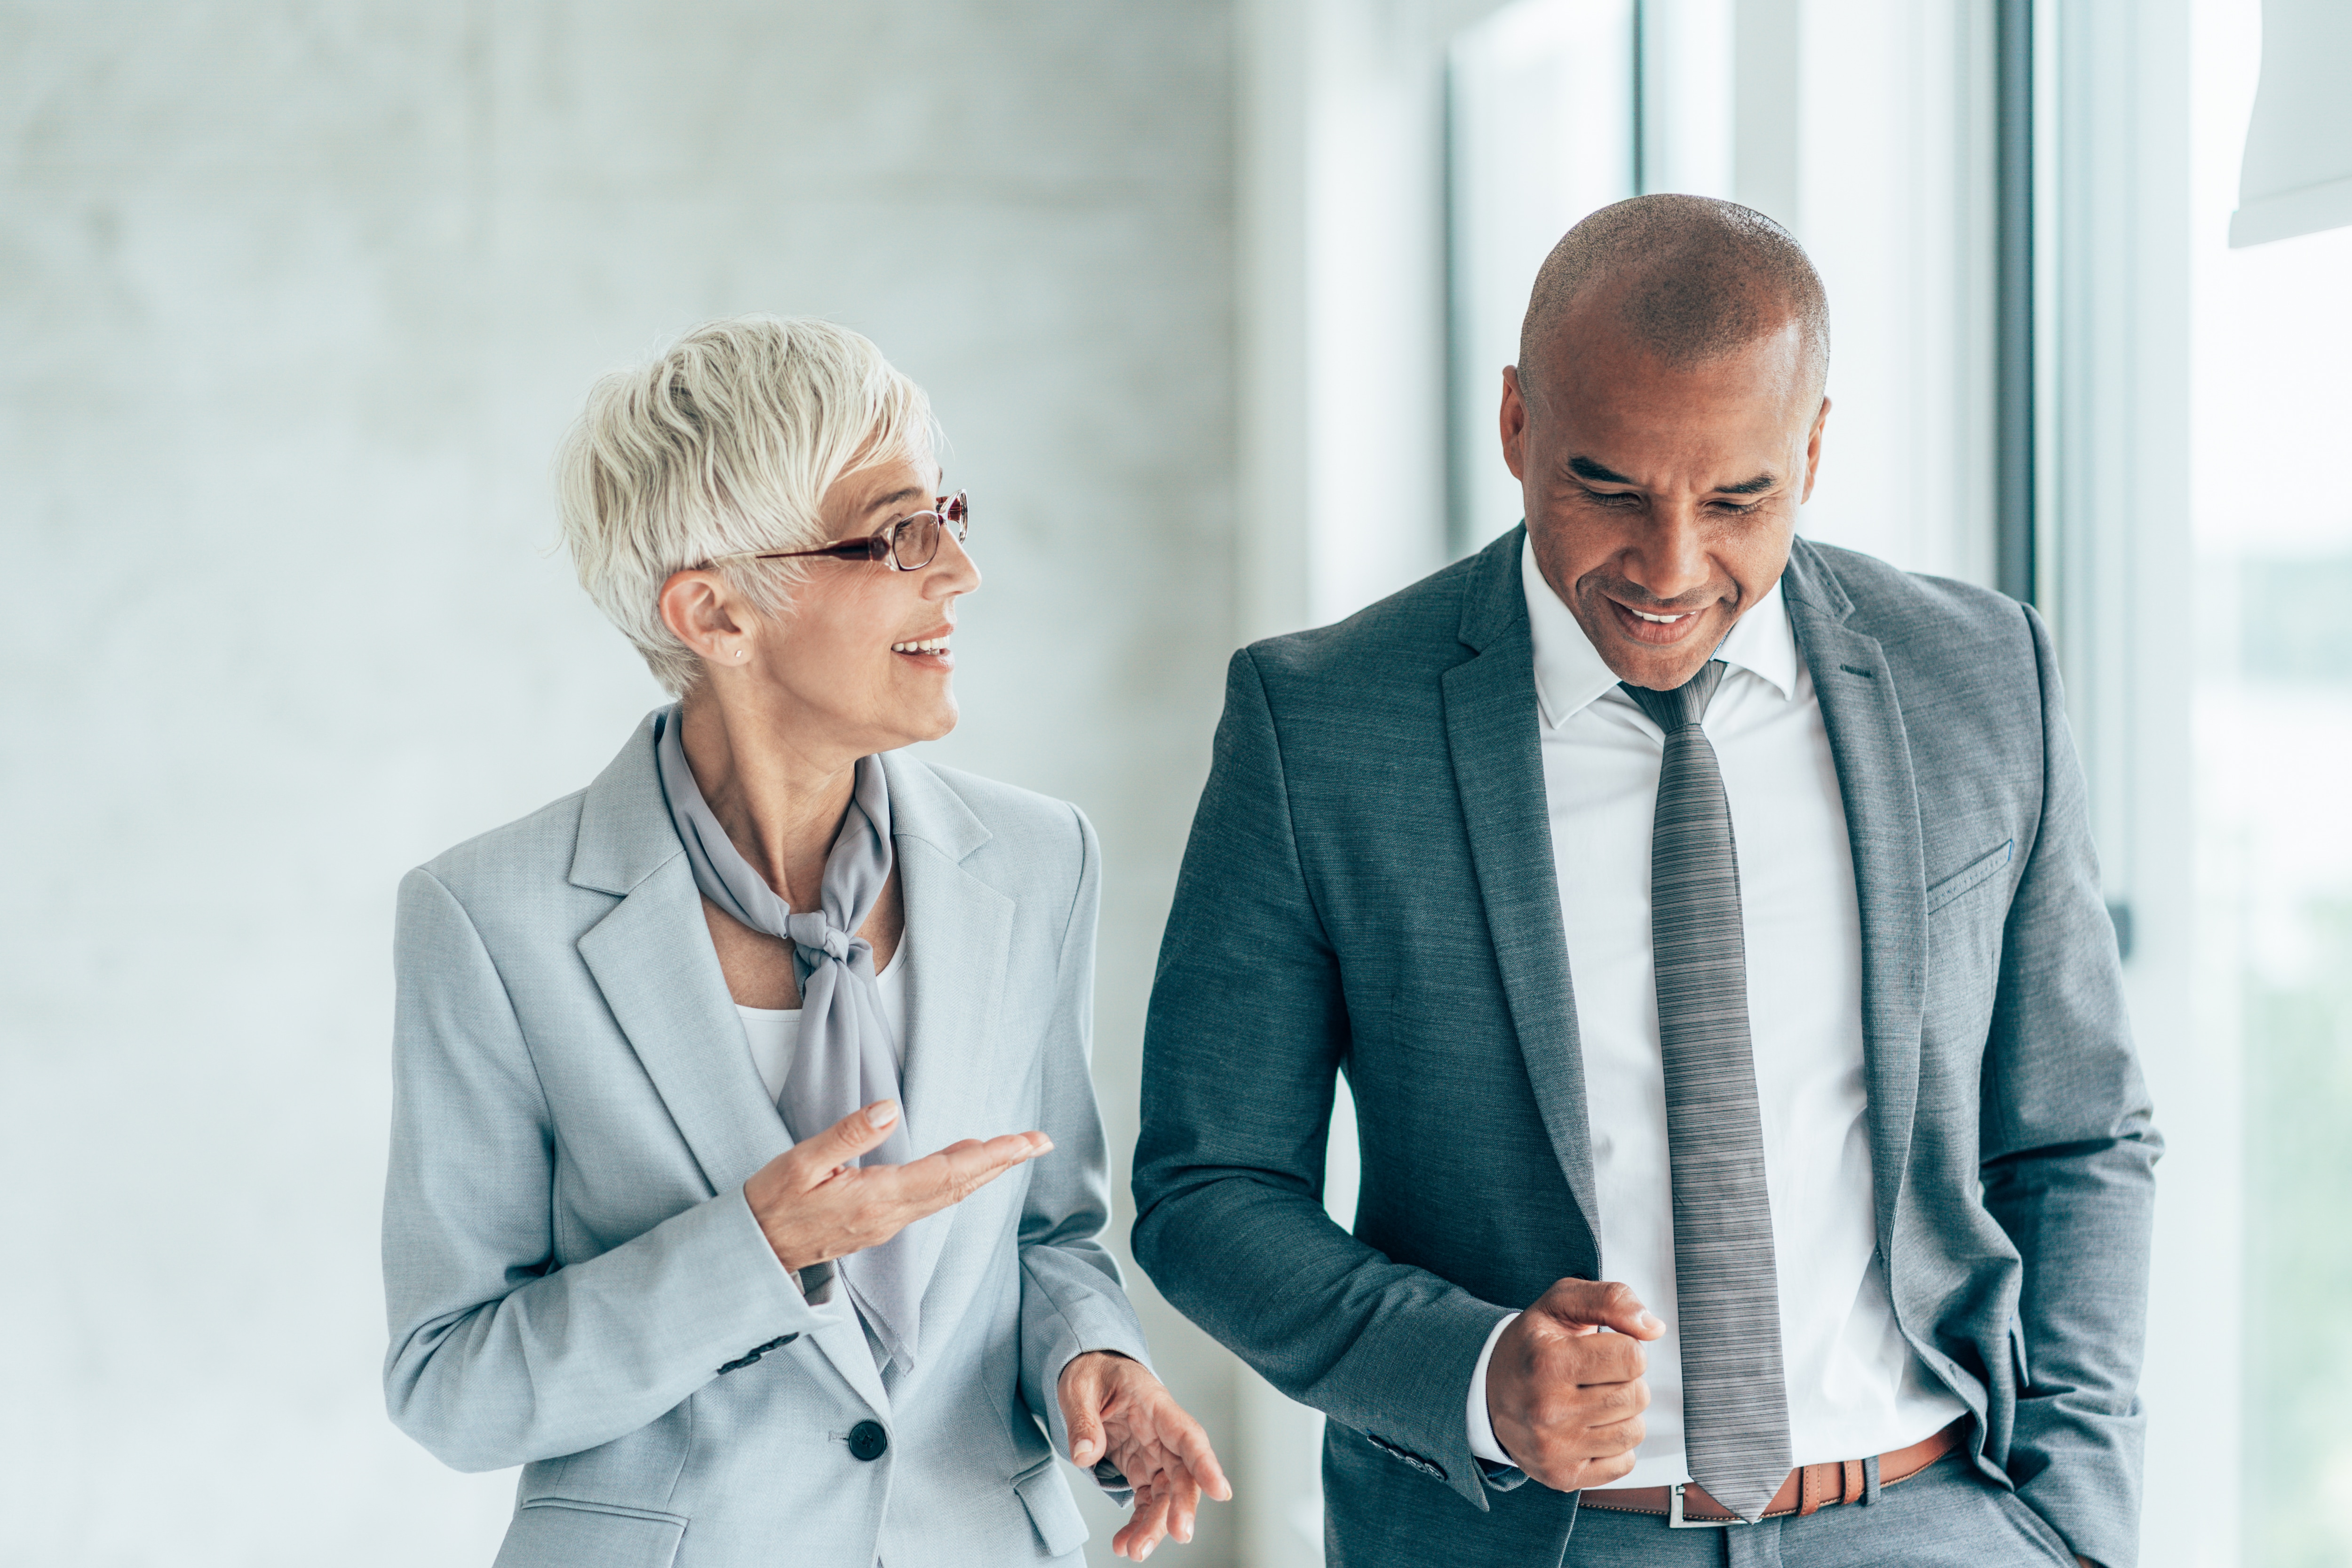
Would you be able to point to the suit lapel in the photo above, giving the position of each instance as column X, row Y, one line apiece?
column 959, row 938
column 1856, row 686
column 1491, row 736
column 652, row 959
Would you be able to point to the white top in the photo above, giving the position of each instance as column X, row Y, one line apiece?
column 1855, row 1387
column 774, row 1033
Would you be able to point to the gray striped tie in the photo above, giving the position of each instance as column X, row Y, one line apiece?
column 1728, row 1298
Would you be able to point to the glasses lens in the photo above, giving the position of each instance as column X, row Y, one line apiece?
column 958, row 513
column 915, row 540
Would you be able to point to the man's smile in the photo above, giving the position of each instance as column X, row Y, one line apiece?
column 1652, row 627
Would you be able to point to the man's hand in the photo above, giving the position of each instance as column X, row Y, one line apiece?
column 815, row 1207
column 1116, row 1409
column 1567, row 1399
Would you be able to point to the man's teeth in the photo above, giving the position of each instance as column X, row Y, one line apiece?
column 929, row 645
column 1664, row 620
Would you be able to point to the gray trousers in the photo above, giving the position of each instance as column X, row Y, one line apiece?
column 1945, row 1517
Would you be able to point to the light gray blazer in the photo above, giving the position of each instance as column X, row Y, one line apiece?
column 1371, row 889
column 573, row 1279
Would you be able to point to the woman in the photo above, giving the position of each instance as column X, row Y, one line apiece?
column 606, row 1256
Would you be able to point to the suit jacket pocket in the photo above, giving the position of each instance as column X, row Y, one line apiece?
column 1051, row 1510
column 569, row 1532
column 1971, row 877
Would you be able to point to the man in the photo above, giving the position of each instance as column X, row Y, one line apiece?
column 1708, row 926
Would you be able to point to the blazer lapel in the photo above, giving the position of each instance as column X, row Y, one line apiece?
column 1856, row 686
column 1491, row 735
column 959, row 939
column 652, row 959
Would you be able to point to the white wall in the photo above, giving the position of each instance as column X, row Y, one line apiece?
column 295, row 300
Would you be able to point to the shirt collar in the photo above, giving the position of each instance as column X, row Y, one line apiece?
column 1570, row 676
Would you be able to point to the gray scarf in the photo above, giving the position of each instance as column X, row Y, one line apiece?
column 844, row 1058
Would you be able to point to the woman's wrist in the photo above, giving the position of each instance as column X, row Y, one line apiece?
column 764, row 1200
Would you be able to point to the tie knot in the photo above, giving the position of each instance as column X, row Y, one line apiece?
column 1684, row 706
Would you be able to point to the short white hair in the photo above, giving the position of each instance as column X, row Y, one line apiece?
column 724, row 445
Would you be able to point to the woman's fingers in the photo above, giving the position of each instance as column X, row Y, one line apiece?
column 1144, row 1529
column 845, row 1141
column 1170, row 1483
column 1183, row 1502
column 815, row 1204
column 927, row 1186
column 1192, row 1445
column 1177, row 1444
column 1085, row 1433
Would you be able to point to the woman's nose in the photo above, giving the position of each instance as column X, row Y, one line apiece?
column 952, row 572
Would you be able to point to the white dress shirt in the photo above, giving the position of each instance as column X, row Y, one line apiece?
column 1855, row 1387
column 774, row 1033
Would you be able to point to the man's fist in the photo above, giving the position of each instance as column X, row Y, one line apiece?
column 1565, row 1396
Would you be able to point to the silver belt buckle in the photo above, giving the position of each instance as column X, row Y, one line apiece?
column 1674, row 1520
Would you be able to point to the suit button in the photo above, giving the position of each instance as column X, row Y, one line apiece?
column 868, row 1440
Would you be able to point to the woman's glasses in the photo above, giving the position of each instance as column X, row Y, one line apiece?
column 908, row 544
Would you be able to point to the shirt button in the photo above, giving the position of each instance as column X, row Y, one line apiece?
column 868, row 1440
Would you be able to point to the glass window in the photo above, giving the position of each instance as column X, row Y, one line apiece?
column 2273, row 717
column 1540, row 130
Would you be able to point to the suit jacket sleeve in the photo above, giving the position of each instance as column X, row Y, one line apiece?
column 1247, row 1029
column 1071, row 1299
column 2069, row 1155
column 499, row 1356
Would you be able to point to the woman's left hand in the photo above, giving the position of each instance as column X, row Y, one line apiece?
column 1116, row 1409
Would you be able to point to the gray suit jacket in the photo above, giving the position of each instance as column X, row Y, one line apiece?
column 576, row 1283
column 1370, row 889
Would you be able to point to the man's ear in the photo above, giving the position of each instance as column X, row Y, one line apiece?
column 1515, row 425
column 1813, row 451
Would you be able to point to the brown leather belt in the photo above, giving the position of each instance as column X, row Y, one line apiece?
column 1805, row 1490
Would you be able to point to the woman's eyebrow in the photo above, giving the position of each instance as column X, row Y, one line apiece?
column 904, row 493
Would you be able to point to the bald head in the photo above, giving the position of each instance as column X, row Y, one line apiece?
column 1665, row 423
column 1689, row 280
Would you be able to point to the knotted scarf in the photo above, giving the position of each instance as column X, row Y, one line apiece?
column 846, row 1058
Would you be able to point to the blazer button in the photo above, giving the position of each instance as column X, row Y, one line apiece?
column 868, row 1440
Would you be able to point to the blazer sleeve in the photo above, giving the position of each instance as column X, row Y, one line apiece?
column 499, row 1356
column 2069, row 1151
column 1246, row 1033
column 1071, row 1298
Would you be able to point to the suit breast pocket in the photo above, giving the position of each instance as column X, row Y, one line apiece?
column 1985, row 868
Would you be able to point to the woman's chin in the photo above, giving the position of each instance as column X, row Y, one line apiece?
column 928, row 720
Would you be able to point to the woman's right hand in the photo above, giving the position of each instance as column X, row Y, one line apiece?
column 815, row 1207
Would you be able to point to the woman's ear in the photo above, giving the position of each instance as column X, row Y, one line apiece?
column 697, row 607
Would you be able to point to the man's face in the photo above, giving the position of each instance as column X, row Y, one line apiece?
column 1661, row 502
